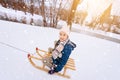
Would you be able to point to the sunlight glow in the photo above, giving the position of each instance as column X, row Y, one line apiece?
column 94, row 7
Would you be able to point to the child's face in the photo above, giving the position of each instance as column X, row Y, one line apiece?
column 63, row 36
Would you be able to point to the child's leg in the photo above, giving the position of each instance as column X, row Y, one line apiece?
column 48, row 62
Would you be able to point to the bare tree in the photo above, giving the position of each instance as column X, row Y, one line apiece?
column 72, row 12
column 51, row 10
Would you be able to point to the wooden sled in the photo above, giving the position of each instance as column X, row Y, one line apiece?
column 69, row 65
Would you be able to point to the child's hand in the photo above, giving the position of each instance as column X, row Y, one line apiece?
column 50, row 50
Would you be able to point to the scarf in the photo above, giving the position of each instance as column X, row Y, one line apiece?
column 57, row 51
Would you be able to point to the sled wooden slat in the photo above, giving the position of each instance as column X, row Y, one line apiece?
column 70, row 62
column 69, row 65
column 35, row 58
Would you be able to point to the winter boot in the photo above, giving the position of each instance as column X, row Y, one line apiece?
column 51, row 71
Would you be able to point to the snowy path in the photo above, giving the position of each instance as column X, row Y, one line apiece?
column 96, row 33
column 96, row 59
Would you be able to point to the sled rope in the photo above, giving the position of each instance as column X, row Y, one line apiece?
column 13, row 47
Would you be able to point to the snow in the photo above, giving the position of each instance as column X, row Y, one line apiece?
column 95, row 58
column 20, row 15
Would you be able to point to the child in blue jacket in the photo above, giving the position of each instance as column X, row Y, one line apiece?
column 61, row 51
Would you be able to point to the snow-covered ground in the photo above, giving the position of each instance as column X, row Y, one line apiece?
column 95, row 58
column 96, row 33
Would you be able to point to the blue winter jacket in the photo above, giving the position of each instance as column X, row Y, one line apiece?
column 60, row 62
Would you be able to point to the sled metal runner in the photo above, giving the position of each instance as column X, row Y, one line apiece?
column 69, row 65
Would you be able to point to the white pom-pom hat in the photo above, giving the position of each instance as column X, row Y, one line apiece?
column 65, row 29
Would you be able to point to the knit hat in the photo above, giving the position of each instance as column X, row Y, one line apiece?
column 65, row 29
